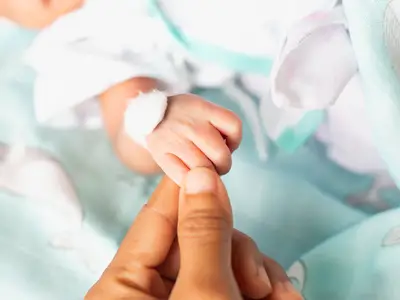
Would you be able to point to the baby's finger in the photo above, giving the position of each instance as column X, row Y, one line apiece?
column 191, row 155
column 229, row 125
column 172, row 166
column 160, row 213
column 212, row 144
column 161, row 145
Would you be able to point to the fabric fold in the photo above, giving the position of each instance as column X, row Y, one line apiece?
column 315, row 63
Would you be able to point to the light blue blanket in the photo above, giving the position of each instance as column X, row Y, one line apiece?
column 303, row 210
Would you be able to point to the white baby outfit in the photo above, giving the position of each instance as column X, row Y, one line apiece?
column 295, row 56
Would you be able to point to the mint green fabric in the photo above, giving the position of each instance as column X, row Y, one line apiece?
column 231, row 60
column 299, row 207
column 293, row 138
column 360, row 263
column 382, row 86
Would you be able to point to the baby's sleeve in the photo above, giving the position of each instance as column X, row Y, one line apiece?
column 86, row 52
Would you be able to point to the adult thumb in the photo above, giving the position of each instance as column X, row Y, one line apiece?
column 205, row 227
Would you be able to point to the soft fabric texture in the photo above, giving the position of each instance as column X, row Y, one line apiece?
column 371, row 24
column 176, row 48
column 323, row 223
column 143, row 114
column 316, row 62
column 87, row 51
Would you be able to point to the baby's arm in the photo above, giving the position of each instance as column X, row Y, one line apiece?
column 113, row 104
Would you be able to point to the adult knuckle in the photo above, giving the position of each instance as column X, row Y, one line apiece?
column 242, row 245
column 126, row 274
column 113, row 284
column 247, row 242
column 134, row 277
column 203, row 223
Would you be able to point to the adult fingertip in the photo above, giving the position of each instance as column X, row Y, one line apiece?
column 285, row 290
column 292, row 291
column 200, row 180
column 263, row 277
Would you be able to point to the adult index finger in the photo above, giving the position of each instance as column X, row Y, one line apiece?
column 149, row 239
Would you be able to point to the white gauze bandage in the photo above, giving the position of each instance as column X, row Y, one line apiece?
column 143, row 114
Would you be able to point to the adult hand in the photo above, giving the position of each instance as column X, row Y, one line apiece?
column 187, row 249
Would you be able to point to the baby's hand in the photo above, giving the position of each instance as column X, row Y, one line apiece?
column 194, row 133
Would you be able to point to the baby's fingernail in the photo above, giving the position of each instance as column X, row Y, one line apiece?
column 200, row 180
column 262, row 275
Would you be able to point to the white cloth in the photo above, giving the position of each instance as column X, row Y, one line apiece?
column 316, row 62
column 254, row 27
column 143, row 114
column 347, row 132
column 106, row 42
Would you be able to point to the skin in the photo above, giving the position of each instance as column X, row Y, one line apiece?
column 212, row 261
column 194, row 133
column 113, row 104
column 36, row 14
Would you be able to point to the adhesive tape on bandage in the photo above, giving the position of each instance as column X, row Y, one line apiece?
column 143, row 114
